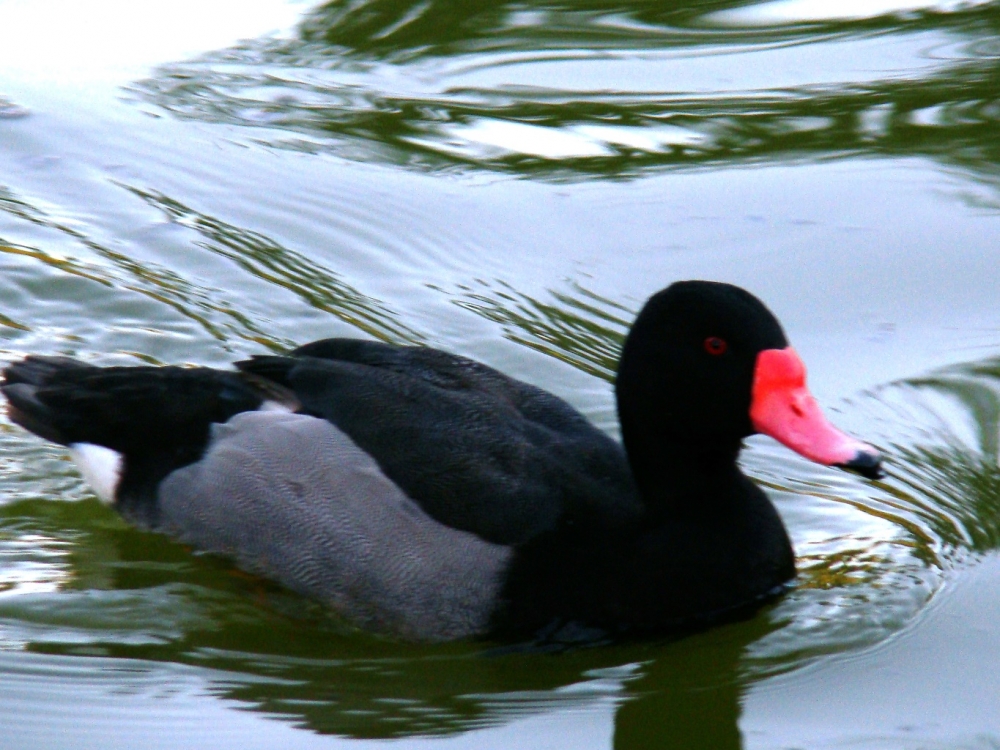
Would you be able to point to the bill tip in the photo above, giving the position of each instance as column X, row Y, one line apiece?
column 867, row 462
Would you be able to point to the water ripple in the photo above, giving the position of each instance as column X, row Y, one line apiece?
column 368, row 81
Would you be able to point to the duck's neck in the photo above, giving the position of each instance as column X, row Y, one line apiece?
column 683, row 478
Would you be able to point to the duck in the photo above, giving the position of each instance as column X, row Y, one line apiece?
column 425, row 496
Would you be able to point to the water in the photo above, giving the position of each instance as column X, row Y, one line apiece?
column 196, row 182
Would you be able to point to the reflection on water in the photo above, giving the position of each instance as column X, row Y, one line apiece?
column 267, row 260
column 577, row 327
column 810, row 11
column 9, row 110
column 255, row 253
column 30, row 563
column 219, row 318
column 950, row 473
column 598, row 89
column 402, row 30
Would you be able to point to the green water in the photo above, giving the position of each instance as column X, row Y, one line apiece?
column 194, row 182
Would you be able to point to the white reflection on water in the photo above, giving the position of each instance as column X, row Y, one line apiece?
column 805, row 11
column 484, row 138
column 29, row 564
column 67, row 41
column 32, row 564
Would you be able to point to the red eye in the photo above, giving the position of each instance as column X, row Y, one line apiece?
column 715, row 346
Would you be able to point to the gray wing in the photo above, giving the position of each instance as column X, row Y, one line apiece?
column 292, row 497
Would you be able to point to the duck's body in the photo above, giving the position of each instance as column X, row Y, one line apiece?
column 430, row 497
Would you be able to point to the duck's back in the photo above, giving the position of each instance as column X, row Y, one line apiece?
column 477, row 450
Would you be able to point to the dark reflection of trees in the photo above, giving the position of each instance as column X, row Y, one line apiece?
column 406, row 29
column 690, row 697
column 269, row 261
column 222, row 318
column 218, row 317
column 354, row 686
column 369, row 80
column 577, row 327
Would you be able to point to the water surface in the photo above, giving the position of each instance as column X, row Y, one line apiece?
column 197, row 182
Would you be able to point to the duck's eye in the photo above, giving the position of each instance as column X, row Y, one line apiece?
column 715, row 346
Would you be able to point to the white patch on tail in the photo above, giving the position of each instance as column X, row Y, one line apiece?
column 100, row 466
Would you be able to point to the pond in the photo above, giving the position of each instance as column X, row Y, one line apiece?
column 195, row 182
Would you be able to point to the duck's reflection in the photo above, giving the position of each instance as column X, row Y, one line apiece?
column 278, row 655
column 684, row 693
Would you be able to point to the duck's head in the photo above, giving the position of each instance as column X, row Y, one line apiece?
column 707, row 364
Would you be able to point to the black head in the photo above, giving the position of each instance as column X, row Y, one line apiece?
column 687, row 367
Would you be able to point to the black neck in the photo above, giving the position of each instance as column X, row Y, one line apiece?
column 679, row 479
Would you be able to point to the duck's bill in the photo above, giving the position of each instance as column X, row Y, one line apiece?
column 782, row 407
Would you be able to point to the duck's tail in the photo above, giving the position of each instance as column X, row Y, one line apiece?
column 22, row 381
column 128, row 427
column 133, row 410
